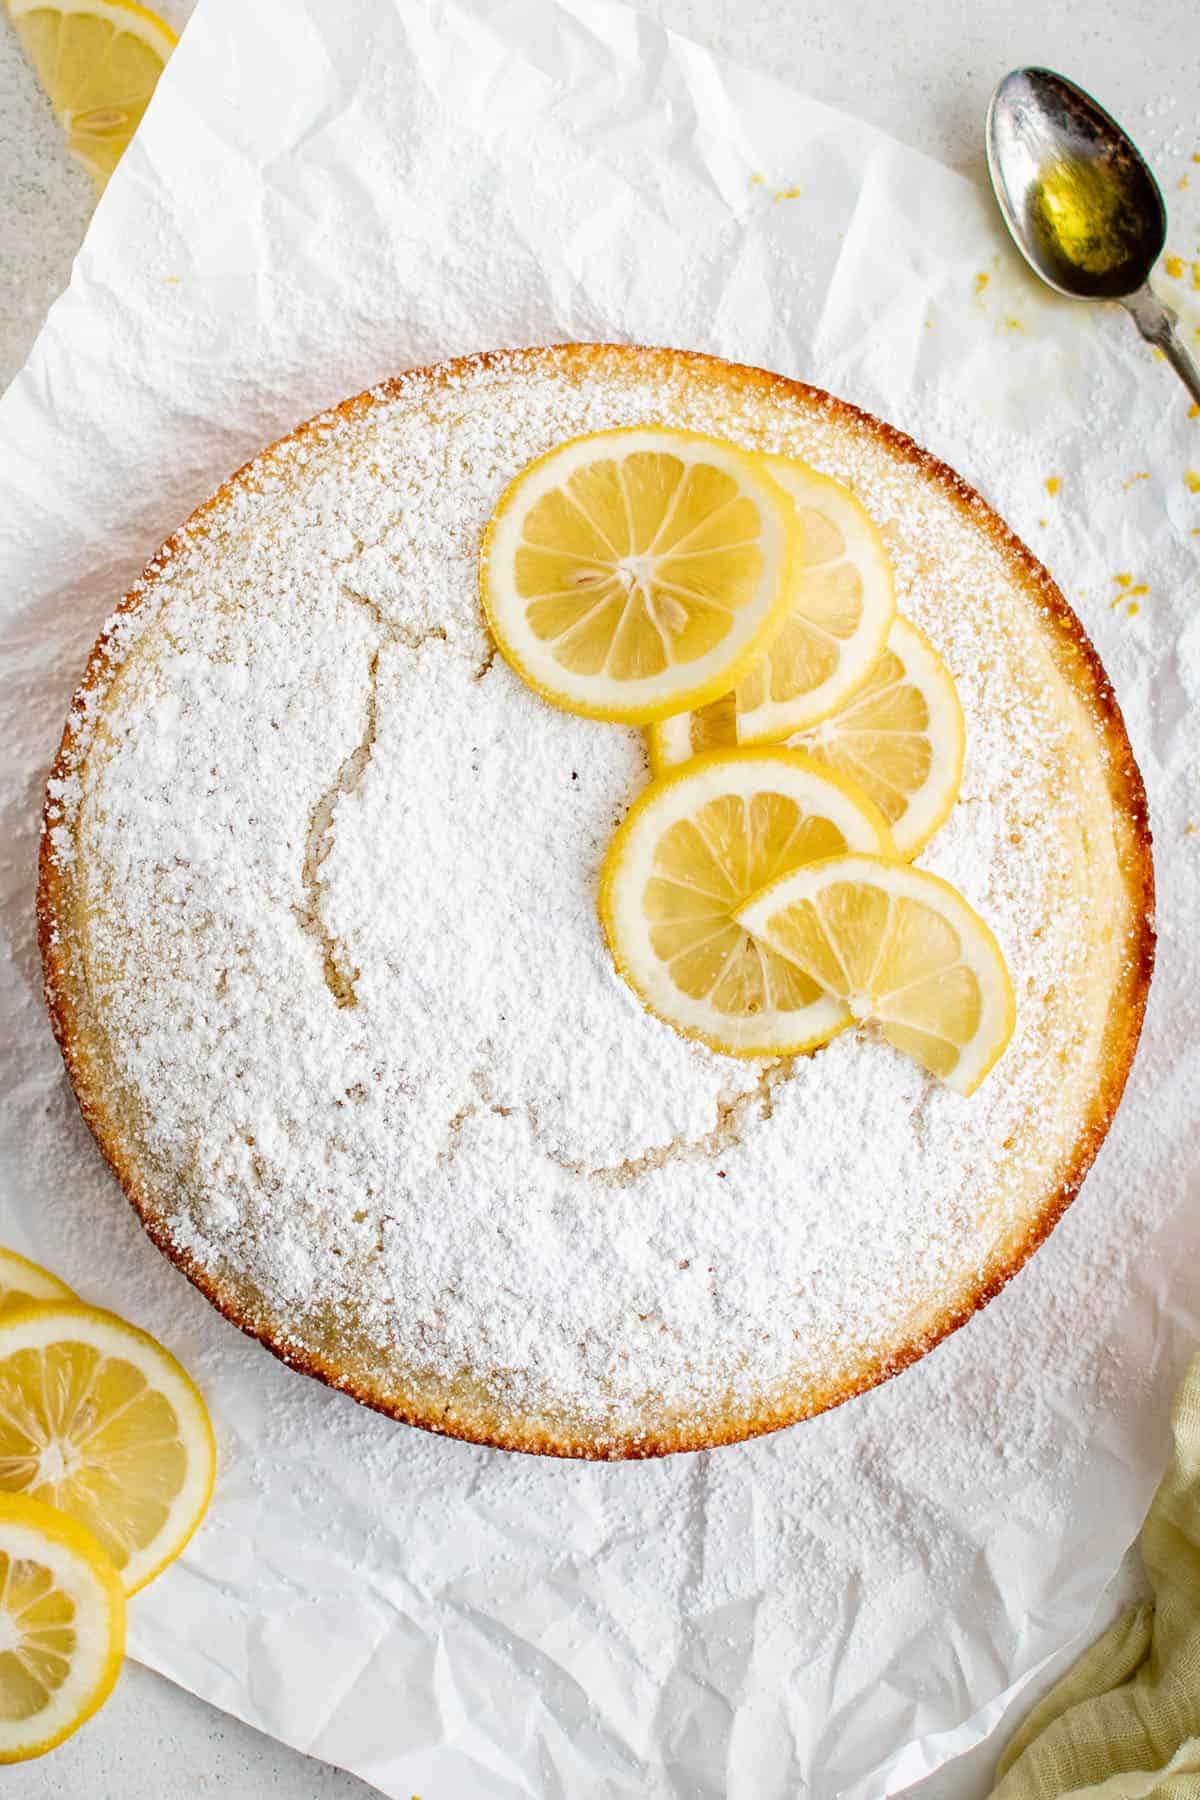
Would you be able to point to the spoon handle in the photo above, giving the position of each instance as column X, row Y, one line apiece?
column 1156, row 322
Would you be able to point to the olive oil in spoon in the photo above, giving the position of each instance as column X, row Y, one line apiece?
column 1082, row 207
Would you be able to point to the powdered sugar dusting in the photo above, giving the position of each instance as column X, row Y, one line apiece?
column 341, row 869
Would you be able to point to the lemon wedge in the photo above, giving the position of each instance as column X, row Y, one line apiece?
column 899, row 946
column 99, row 61
column 98, row 1420
column 635, row 573
column 62, row 1627
column 22, row 1281
column 694, row 847
column 899, row 736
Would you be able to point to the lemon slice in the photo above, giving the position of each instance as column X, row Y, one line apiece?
column 62, row 1627
column 899, row 737
column 834, row 632
column 22, row 1281
column 635, row 573
column 838, row 620
column 693, row 848
column 99, row 61
column 98, row 1420
column 900, row 946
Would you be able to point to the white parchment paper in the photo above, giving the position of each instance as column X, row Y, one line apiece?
column 839, row 1608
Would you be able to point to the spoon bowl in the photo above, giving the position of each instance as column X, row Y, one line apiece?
column 1080, row 203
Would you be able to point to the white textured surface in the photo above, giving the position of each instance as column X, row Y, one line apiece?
column 392, row 784
column 926, row 78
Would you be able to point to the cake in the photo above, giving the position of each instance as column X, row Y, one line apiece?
column 318, row 918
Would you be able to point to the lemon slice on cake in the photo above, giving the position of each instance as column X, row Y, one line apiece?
column 838, row 620
column 635, row 573
column 22, row 1281
column 834, row 633
column 99, row 62
column 62, row 1627
column 97, row 1419
column 899, row 946
column 899, row 736
column 693, row 848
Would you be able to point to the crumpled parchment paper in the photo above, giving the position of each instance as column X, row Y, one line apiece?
column 837, row 1609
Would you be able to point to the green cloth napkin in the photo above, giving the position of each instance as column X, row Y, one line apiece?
column 1124, row 1723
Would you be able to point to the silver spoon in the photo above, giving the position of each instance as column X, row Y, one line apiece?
column 1083, row 209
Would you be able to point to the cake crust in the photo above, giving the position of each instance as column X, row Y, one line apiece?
column 471, row 1412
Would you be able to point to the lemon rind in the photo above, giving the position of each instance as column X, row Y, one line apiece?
column 12, row 1262
column 116, row 12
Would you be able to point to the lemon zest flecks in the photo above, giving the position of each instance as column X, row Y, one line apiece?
column 1175, row 266
column 1013, row 325
column 981, row 281
column 1142, row 475
column 1133, row 609
column 1053, row 483
column 1129, row 593
column 1192, row 481
column 1194, row 410
column 758, row 179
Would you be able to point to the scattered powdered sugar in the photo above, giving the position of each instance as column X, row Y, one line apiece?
column 341, row 866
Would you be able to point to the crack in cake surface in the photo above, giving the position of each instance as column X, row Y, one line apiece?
column 733, row 1112
column 340, row 975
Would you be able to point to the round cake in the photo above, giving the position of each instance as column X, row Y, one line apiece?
column 318, row 917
